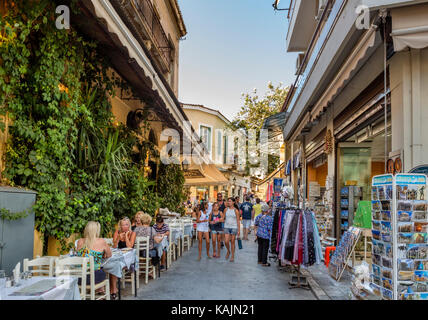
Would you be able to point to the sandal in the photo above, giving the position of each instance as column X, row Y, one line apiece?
column 266, row 265
column 113, row 296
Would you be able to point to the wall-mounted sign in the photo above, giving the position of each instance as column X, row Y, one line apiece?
column 394, row 166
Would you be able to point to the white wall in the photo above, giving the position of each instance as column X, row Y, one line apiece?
column 409, row 85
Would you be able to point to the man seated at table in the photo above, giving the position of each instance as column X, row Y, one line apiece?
column 93, row 245
column 162, row 230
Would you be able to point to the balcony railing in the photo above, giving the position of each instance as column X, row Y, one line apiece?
column 154, row 28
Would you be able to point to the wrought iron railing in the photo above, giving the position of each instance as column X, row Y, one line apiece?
column 160, row 39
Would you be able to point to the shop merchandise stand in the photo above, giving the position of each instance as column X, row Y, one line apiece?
column 299, row 280
column 343, row 253
column 400, row 249
column 350, row 255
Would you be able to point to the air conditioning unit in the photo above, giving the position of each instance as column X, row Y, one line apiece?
column 299, row 62
column 322, row 4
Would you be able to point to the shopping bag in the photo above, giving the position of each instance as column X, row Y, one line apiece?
column 239, row 243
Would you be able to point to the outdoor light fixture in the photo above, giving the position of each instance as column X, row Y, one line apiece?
column 185, row 165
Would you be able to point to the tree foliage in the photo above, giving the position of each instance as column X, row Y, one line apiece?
column 256, row 109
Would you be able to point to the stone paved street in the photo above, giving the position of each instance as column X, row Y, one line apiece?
column 218, row 279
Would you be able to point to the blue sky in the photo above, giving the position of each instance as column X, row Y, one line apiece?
column 232, row 47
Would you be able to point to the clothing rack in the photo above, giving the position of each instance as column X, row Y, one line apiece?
column 295, row 238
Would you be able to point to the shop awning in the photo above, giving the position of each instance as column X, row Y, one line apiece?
column 362, row 51
column 204, row 175
column 130, row 58
column 410, row 27
column 275, row 124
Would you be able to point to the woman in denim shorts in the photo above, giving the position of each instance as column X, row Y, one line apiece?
column 232, row 228
column 216, row 225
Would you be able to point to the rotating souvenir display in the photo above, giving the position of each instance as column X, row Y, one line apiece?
column 399, row 230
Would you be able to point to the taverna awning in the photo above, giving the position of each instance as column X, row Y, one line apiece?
column 204, row 175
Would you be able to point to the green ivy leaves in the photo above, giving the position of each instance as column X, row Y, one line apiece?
column 5, row 214
column 55, row 88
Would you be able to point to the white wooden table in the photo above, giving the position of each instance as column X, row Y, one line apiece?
column 44, row 288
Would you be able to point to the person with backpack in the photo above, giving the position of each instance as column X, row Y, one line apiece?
column 247, row 213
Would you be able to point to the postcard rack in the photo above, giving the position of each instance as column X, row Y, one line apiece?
column 399, row 268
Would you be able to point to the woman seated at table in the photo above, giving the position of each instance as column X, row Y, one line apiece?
column 162, row 230
column 123, row 238
column 93, row 245
column 143, row 229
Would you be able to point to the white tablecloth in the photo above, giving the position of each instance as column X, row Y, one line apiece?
column 188, row 229
column 120, row 260
column 66, row 288
column 161, row 246
column 176, row 233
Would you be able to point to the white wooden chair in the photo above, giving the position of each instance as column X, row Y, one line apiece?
column 187, row 240
column 174, row 246
column 40, row 266
column 128, row 276
column 17, row 269
column 145, row 263
column 171, row 251
column 78, row 267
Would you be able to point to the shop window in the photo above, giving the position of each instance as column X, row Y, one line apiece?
column 355, row 169
column 205, row 134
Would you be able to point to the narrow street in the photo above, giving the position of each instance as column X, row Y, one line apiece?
column 218, row 279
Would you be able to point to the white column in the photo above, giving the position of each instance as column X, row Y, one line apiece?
column 416, row 107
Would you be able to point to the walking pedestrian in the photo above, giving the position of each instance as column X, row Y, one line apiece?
column 237, row 204
column 247, row 213
column 216, row 223
column 202, row 228
column 231, row 228
column 221, row 208
column 257, row 210
column 263, row 224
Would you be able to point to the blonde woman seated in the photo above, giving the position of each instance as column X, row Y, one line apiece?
column 93, row 245
column 143, row 229
column 123, row 237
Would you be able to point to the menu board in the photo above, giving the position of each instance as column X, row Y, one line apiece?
column 400, row 237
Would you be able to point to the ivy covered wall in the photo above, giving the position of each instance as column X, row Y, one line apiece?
column 63, row 142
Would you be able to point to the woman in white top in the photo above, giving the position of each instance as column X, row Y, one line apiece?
column 202, row 220
column 232, row 228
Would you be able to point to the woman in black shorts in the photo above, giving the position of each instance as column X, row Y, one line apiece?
column 216, row 225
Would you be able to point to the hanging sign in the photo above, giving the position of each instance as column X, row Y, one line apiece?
column 277, row 184
column 328, row 145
